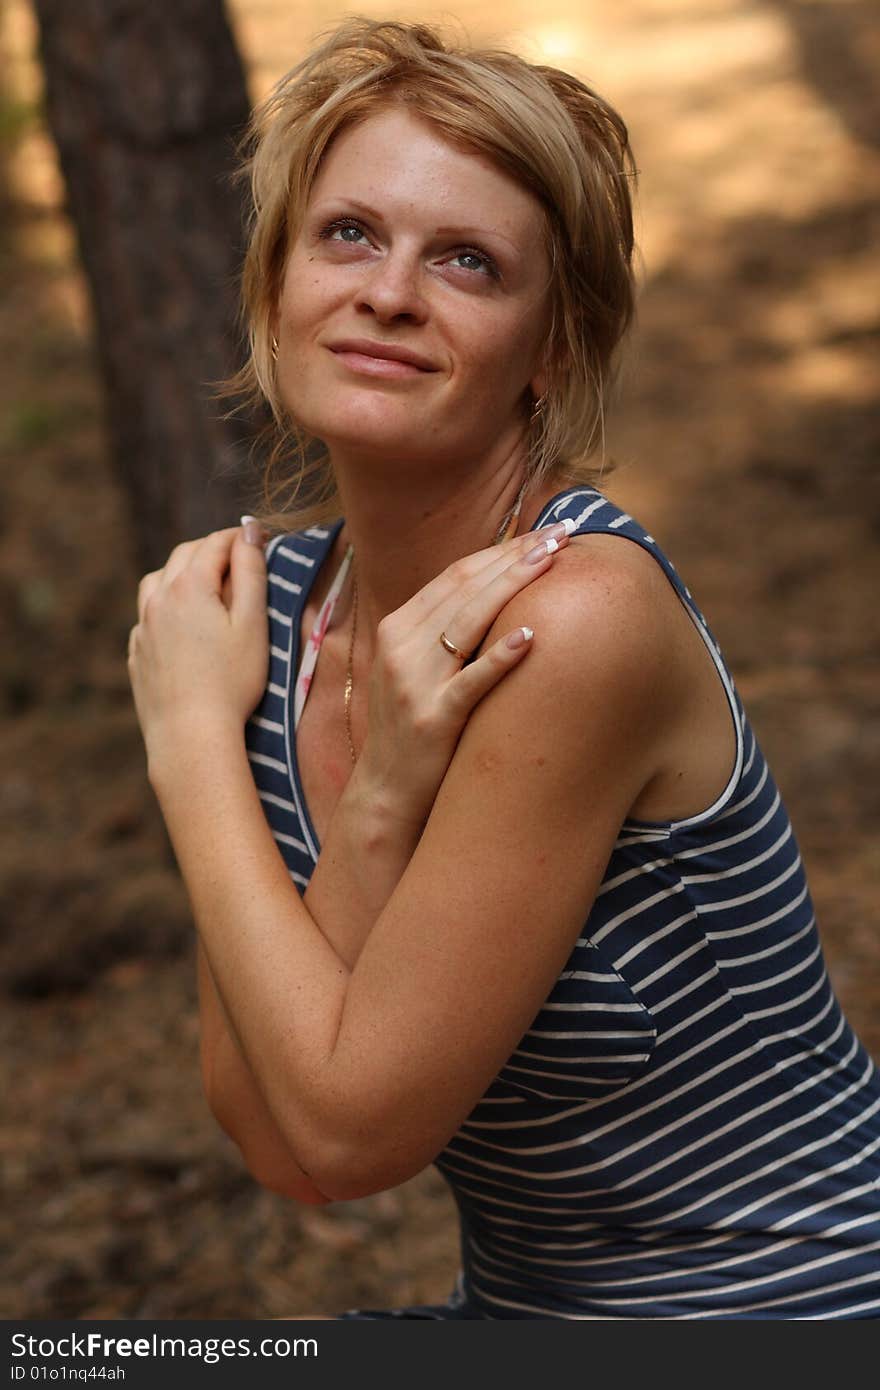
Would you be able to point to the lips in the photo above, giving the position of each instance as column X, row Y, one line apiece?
column 367, row 354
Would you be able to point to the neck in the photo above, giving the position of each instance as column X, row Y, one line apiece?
column 405, row 536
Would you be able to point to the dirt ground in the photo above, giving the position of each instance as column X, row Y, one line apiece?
column 746, row 438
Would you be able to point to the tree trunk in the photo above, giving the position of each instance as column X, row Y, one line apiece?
column 145, row 101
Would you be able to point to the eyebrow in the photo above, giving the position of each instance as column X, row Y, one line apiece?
column 475, row 233
column 358, row 206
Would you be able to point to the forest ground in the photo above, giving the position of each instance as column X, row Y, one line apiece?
column 746, row 439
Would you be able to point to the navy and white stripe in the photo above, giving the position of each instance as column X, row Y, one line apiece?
column 689, row 1128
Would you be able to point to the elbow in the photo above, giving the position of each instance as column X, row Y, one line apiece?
column 347, row 1159
column 278, row 1171
column 347, row 1172
column 370, row 1148
column 270, row 1163
column 294, row 1184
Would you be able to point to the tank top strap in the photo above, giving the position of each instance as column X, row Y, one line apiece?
column 293, row 561
column 595, row 514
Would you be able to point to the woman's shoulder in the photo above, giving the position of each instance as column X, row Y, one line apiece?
column 614, row 585
column 614, row 646
column 622, row 634
column 599, row 656
column 603, row 596
column 591, row 515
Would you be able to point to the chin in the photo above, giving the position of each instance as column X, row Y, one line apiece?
column 372, row 427
column 388, row 447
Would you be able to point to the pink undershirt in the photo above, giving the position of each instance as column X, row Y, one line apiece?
column 313, row 646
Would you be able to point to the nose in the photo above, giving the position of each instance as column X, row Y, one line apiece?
column 392, row 288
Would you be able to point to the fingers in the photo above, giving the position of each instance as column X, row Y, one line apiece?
column 247, row 576
column 210, row 558
column 475, row 570
column 477, row 679
column 466, row 624
column 178, row 560
column 224, row 562
column 212, row 552
column 146, row 589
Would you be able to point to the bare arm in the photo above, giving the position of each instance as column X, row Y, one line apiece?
column 404, row 1044
column 418, row 706
column 370, row 841
column 238, row 1105
column 361, row 858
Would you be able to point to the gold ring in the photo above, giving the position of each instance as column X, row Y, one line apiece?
column 452, row 648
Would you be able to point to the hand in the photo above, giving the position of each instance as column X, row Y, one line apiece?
column 420, row 695
column 198, row 657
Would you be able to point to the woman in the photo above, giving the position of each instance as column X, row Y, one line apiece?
column 535, row 915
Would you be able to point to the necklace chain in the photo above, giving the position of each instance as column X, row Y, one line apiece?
column 505, row 530
column 349, row 678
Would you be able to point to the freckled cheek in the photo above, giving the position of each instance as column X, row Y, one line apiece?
column 309, row 291
column 298, row 377
column 305, row 320
column 489, row 362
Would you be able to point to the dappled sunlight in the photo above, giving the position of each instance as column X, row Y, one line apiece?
column 745, row 438
column 732, row 141
column 43, row 236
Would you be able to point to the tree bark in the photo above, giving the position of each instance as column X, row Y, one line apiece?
column 145, row 102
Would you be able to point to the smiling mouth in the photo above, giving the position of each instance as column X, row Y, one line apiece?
column 380, row 360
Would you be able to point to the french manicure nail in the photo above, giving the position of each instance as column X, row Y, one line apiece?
column 520, row 637
column 559, row 528
column 546, row 547
column 253, row 531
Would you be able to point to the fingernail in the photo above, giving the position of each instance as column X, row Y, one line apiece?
column 520, row 637
column 253, row 531
column 559, row 528
column 546, row 547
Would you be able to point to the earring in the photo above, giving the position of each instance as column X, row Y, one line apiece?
column 537, row 409
column 274, row 346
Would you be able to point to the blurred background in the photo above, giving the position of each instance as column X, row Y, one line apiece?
column 745, row 438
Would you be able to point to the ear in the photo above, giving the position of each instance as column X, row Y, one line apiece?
column 538, row 384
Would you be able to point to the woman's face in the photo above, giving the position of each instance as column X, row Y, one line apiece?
column 411, row 245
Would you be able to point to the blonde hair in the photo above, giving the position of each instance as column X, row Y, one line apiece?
column 550, row 132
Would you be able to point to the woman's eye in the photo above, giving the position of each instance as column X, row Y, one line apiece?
column 475, row 261
column 348, row 232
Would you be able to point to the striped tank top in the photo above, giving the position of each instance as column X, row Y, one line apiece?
column 689, row 1128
